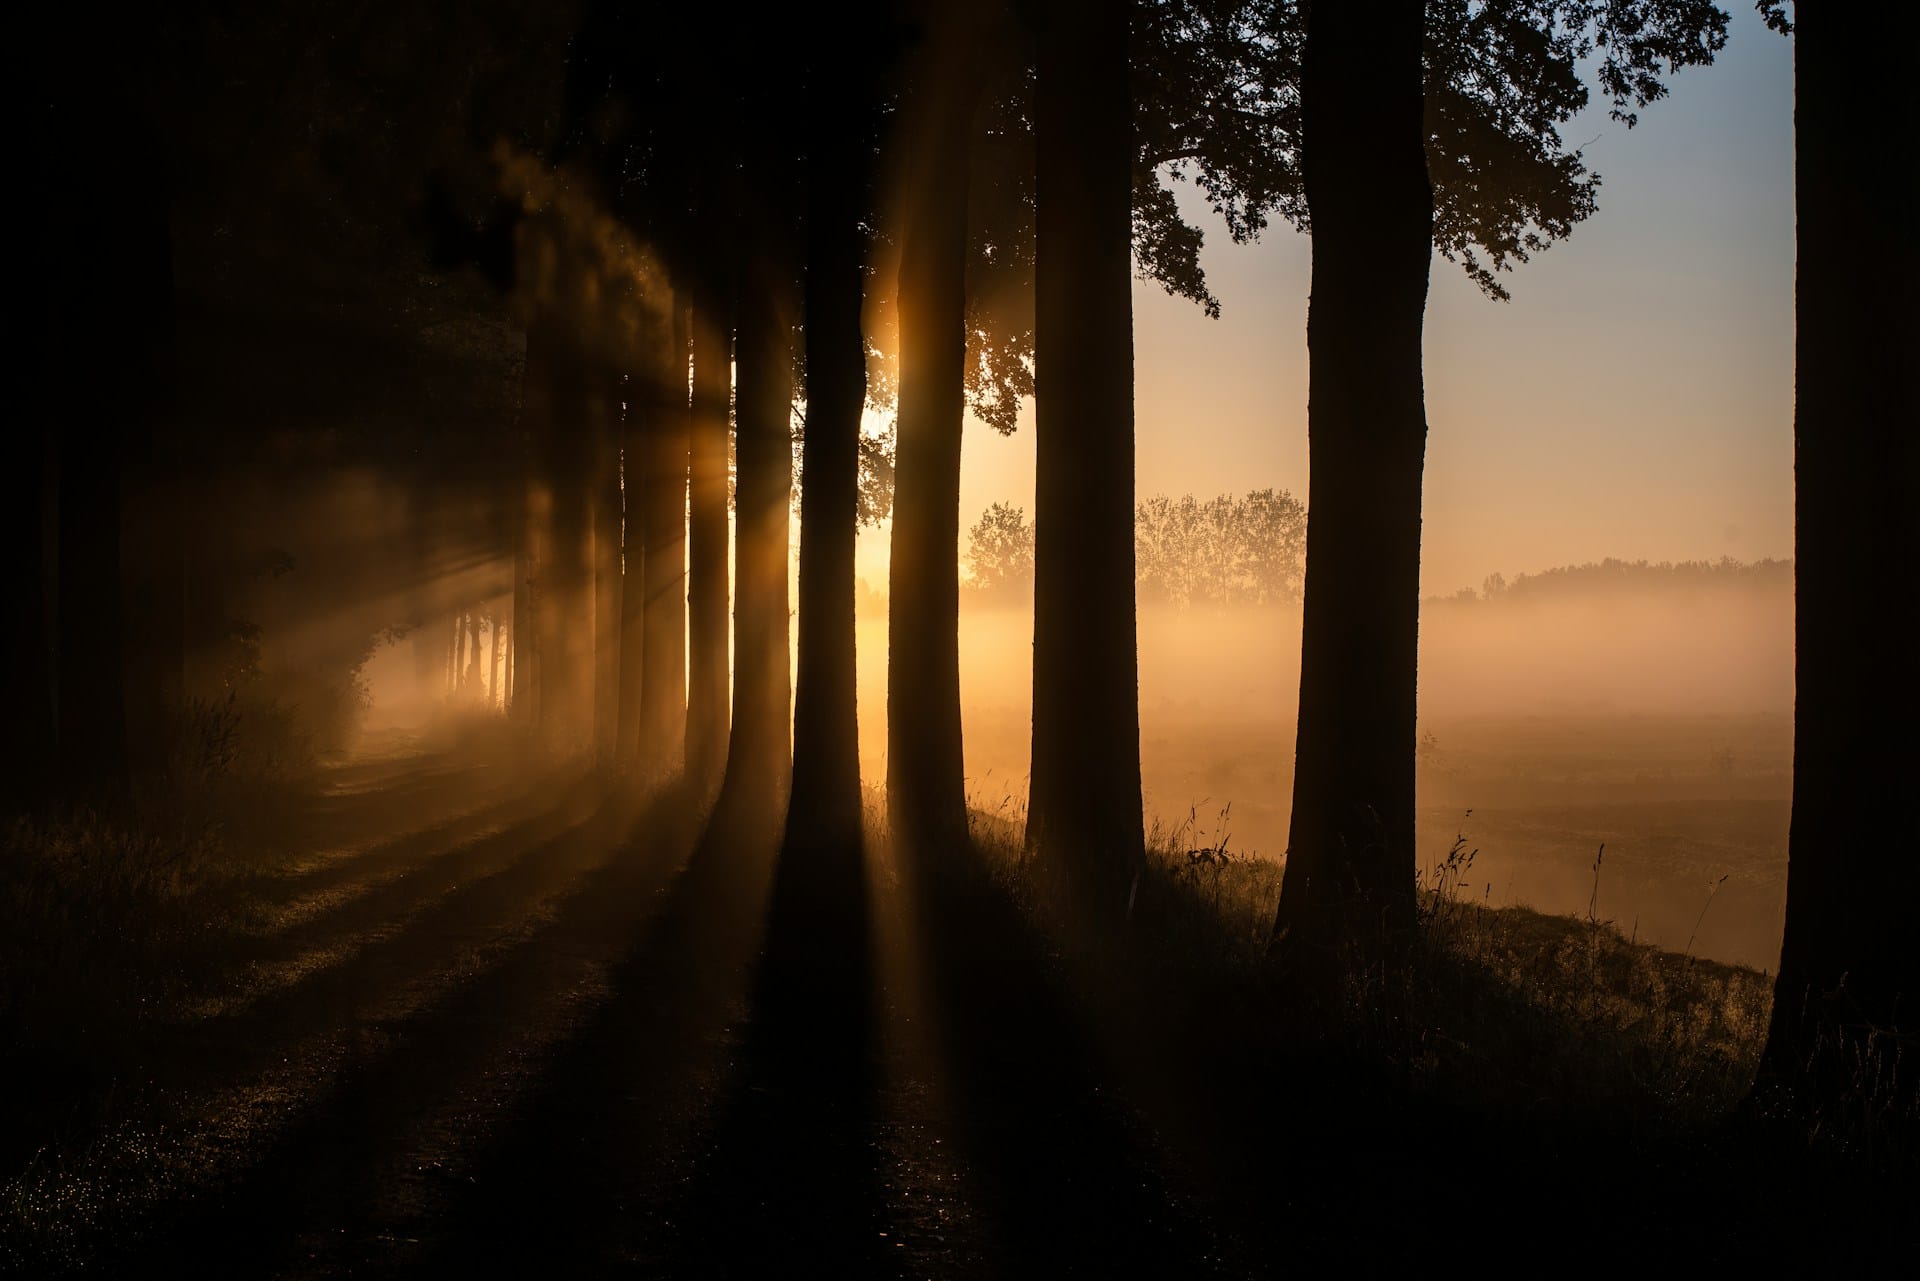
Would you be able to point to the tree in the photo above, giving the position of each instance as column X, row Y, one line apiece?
column 1000, row 551
column 1393, row 98
column 663, row 503
column 759, row 749
column 1084, row 815
column 926, row 801
column 707, row 683
column 1844, row 1004
column 1350, row 847
column 1226, row 551
column 824, row 811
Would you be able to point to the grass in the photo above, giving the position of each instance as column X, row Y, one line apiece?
column 1503, row 1011
column 106, row 917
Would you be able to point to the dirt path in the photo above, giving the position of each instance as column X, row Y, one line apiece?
column 487, row 1024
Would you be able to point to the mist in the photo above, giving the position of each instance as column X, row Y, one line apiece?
column 1652, row 717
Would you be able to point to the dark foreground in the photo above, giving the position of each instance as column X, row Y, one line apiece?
column 498, row 1022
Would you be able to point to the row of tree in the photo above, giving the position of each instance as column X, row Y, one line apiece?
column 1222, row 552
column 726, row 219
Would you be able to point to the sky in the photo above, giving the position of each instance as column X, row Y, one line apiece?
column 1634, row 399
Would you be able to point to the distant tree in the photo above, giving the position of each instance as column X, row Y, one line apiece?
column 1845, row 1032
column 1612, row 576
column 1226, row 551
column 1000, row 551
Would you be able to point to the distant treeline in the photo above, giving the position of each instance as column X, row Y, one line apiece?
column 1188, row 551
column 1613, row 576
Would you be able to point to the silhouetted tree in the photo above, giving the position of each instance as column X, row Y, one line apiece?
column 1084, row 812
column 1385, row 93
column 1226, row 551
column 824, row 811
column 1843, row 1032
column 1350, row 847
column 926, row 802
column 663, row 681
column 707, row 684
column 1000, row 551
column 759, row 749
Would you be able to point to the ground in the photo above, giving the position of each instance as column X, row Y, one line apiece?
column 480, row 1018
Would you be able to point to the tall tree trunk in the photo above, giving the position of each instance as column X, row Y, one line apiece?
column 92, row 697
column 509, row 702
column 640, row 401
column 450, row 658
column 1847, row 1002
column 498, row 631
column 663, row 694
column 473, row 652
column 536, row 634
column 459, row 682
column 28, row 673
column 568, row 671
column 760, row 744
column 926, row 771
column 1084, row 814
column 824, row 813
column 1350, row 855
column 607, row 603
column 707, row 679
column 106, row 228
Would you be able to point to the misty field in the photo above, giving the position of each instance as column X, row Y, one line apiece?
column 1656, row 724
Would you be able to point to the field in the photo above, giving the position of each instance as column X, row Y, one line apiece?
column 1539, row 744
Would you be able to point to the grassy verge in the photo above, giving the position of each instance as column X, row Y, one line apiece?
column 1517, row 1017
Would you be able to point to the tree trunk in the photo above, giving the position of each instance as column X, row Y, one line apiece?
column 510, row 703
column 473, row 652
column 536, row 633
column 1084, row 815
column 707, row 678
column 101, row 309
column 568, row 658
column 641, row 401
column 29, row 733
column 926, row 771
column 1849, row 987
column 824, row 812
column 1350, row 857
column 607, row 603
column 759, row 752
column 663, row 694
column 451, row 681
column 92, row 698
column 493, row 661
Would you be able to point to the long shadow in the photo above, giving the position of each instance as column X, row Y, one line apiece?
column 392, row 935
column 397, row 1081
column 584, row 1177
column 1072, row 1182
column 789, row 1182
column 392, row 877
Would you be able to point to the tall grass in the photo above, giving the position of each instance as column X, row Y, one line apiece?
column 1503, row 1010
column 104, row 916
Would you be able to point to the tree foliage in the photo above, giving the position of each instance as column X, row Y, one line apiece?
column 1224, row 551
column 1188, row 552
column 1000, row 551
